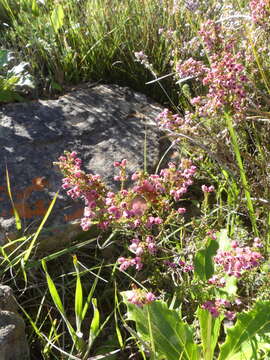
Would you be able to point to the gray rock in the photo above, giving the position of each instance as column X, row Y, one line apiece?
column 13, row 345
column 103, row 124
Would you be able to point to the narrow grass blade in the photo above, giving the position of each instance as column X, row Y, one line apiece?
column 90, row 295
column 16, row 214
column 28, row 252
column 243, row 177
column 53, row 291
column 94, row 329
column 78, row 296
column 58, row 303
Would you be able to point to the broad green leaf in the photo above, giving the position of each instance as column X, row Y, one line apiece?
column 57, row 17
column 231, row 285
column 204, row 267
column 255, row 322
column 172, row 338
column 209, row 331
column 250, row 350
column 223, row 240
column 34, row 7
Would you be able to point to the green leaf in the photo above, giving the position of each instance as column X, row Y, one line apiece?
column 29, row 249
column 53, row 291
column 223, row 240
column 3, row 57
column 7, row 96
column 230, row 287
column 162, row 327
column 16, row 214
column 78, row 296
column 203, row 263
column 255, row 322
column 58, row 303
column 94, row 329
column 57, row 17
column 90, row 295
column 209, row 330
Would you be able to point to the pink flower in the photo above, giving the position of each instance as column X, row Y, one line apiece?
column 73, row 154
column 123, row 163
column 230, row 315
column 85, row 224
column 134, row 176
column 78, row 173
column 140, row 297
column 150, row 297
column 181, row 210
column 152, row 248
column 208, row 189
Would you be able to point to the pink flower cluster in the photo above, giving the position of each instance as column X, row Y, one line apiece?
column 238, row 260
column 213, row 37
column 181, row 265
column 218, row 306
column 260, row 12
column 217, row 281
column 142, row 210
column 225, row 79
column 141, row 57
column 208, row 189
column 190, row 68
column 125, row 263
column 140, row 249
column 174, row 122
column 140, row 297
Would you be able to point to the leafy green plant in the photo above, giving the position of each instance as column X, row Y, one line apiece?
column 12, row 77
column 82, row 345
column 168, row 336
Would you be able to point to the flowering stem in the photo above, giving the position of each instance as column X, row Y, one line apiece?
column 242, row 172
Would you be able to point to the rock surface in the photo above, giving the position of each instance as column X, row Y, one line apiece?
column 13, row 345
column 103, row 124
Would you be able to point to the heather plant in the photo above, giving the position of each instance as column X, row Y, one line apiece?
column 218, row 120
column 166, row 335
column 143, row 211
column 213, row 268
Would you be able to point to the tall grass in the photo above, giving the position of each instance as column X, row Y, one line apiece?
column 76, row 41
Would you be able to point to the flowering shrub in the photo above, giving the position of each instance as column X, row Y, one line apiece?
column 203, row 273
column 260, row 12
column 238, row 260
column 144, row 210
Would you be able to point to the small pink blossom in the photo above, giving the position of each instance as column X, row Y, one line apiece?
column 181, row 211
column 208, row 189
